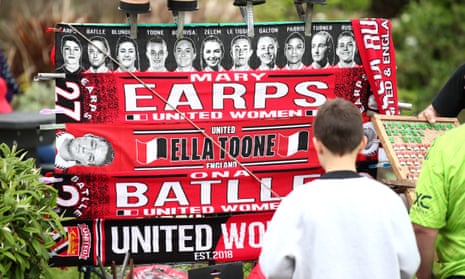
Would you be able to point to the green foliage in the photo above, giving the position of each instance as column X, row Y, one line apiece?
column 274, row 10
column 27, row 218
column 67, row 272
column 349, row 6
column 284, row 10
column 36, row 96
column 429, row 47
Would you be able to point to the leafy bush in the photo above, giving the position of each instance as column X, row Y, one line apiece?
column 35, row 97
column 27, row 217
column 429, row 47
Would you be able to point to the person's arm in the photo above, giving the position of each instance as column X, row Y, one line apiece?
column 451, row 98
column 277, row 257
column 425, row 241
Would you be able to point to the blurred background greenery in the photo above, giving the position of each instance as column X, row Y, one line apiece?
column 428, row 35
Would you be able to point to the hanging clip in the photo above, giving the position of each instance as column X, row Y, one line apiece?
column 178, row 8
column 132, row 8
column 246, row 7
column 307, row 14
column 55, row 126
column 49, row 76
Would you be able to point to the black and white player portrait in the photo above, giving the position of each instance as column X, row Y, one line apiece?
column 267, row 50
column 71, row 50
column 87, row 150
column 185, row 53
column 156, row 52
column 127, row 55
column 212, row 51
column 241, row 51
column 346, row 50
column 294, row 50
column 322, row 50
column 98, row 53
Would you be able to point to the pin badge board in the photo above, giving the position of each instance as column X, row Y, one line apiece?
column 406, row 140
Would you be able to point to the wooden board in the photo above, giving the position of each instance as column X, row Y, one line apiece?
column 406, row 139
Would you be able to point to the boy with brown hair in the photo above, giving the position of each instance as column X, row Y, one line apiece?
column 342, row 225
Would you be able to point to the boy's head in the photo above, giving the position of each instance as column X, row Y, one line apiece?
column 339, row 126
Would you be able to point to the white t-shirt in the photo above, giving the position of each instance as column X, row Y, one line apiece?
column 340, row 228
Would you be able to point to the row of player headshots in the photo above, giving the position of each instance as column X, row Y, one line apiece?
column 106, row 48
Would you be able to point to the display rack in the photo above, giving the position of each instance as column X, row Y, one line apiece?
column 406, row 140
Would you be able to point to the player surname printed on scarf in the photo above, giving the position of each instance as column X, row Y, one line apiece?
column 169, row 97
column 119, row 197
column 179, row 148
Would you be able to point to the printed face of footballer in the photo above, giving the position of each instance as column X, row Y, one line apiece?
column 294, row 50
column 184, row 54
column 266, row 50
column 88, row 150
column 212, row 53
column 71, row 53
column 127, row 54
column 241, row 52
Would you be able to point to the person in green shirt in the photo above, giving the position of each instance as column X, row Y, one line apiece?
column 437, row 212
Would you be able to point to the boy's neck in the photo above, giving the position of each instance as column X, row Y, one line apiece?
column 340, row 163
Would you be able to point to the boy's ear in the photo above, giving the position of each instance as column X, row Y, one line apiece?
column 363, row 143
column 318, row 145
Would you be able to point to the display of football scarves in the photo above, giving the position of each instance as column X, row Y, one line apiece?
column 212, row 150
